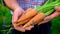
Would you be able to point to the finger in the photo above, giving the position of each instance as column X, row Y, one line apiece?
column 44, row 21
column 23, row 22
column 50, row 17
column 29, row 28
column 47, row 18
column 20, row 29
column 15, row 16
column 57, row 8
column 55, row 14
column 23, row 11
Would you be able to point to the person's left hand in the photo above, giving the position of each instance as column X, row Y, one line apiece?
column 48, row 18
column 52, row 16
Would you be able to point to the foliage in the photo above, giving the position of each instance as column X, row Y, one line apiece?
column 55, row 27
column 5, row 19
column 0, row 1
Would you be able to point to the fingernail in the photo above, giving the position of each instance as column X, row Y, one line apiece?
column 22, row 30
column 57, row 7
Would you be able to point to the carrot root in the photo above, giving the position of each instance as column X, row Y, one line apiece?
column 27, row 15
column 38, row 18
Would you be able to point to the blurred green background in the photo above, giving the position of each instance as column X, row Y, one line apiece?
column 5, row 21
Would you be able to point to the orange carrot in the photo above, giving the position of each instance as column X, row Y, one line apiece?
column 29, row 9
column 36, row 19
column 23, row 13
column 29, row 13
column 22, row 22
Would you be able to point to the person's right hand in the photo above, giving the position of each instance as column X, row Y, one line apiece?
column 17, row 12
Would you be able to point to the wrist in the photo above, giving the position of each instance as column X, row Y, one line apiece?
column 17, row 8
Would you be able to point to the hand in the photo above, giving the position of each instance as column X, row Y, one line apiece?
column 57, row 8
column 29, row 27
column 50, row 17
column 16, row 14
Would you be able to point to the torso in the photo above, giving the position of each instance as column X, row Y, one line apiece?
column 30, row 3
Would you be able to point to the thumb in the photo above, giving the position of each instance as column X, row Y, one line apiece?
column 57, row 8
column 47, row 18
column 15, row 16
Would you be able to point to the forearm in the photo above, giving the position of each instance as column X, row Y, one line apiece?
column 12, row 4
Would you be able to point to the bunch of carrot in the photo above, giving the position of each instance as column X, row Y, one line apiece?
column 36, row 15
